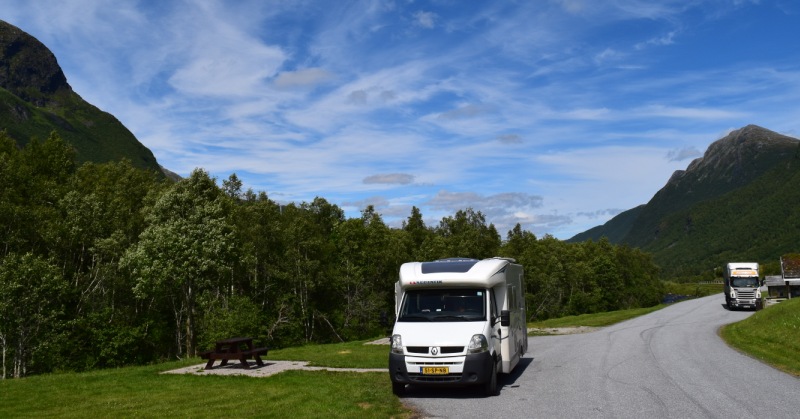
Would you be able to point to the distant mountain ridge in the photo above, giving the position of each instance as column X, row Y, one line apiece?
column 35, row 100
column 738, row 200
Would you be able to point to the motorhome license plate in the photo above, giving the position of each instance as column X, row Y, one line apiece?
column 435, row 370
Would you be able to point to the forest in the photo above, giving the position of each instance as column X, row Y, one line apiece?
column 104, row 265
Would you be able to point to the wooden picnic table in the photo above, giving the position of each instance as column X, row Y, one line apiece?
column 240, row 348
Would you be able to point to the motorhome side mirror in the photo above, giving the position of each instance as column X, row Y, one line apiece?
column 505, row 318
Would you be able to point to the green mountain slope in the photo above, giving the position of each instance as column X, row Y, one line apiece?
column 614, row 230
column 739, row 201
column 35, row 100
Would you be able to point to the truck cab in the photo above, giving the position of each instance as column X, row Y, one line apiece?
column 742, row 286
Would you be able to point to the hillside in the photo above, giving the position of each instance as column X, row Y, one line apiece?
column 736, row 202
column 35, row 100
column 614, row 230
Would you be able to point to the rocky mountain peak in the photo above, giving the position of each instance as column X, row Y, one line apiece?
column 27, row 67
column 734, row 155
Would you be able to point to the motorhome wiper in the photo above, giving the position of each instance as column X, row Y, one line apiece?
column 411, row 317
column 450, row 317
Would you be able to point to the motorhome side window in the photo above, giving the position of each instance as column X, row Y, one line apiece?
column 444, row 305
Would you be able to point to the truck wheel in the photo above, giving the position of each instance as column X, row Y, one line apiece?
column 490, row 387
column 398, row 388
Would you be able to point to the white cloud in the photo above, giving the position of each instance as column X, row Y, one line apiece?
column 683, row 154
column 300, row 78
column 390, row 178
column 426, row 20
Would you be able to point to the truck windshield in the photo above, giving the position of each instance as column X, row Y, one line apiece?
column 443, row 305
column 744, row 282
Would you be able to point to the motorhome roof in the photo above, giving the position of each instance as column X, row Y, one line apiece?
column 448, row 265
column 456, row 272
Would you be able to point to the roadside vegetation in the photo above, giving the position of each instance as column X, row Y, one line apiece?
column 591, row 320
column 771, row 335
column 692, row 290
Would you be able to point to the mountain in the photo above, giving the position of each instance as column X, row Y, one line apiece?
column 738, row 201
column 35, row 100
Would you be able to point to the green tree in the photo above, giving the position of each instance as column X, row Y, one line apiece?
column 419, row 236
column 258, row 271
column 102, row 216
column 187, row 248
column 31, row 308
column 368, row 258
column 467, row 235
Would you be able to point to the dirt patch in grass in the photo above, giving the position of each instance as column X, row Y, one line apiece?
column 545, row 331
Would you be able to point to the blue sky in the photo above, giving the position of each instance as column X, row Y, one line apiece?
column 555, row 114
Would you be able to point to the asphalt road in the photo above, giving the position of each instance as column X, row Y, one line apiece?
column 667, row 364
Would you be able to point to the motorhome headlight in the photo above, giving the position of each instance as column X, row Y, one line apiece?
column 478, row 344
column 397, row 344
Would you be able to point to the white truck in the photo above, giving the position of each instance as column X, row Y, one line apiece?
column 459, row 322
column 742, row 285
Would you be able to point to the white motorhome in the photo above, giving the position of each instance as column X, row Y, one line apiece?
column 742, row 285
column 459, row 322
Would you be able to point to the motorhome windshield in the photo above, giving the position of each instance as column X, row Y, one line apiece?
column 744, row 282
column 443, row 305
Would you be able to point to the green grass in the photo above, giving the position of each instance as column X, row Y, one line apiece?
column 143, row 391
column 337, row 355
column 771, row 335
column 595, row 319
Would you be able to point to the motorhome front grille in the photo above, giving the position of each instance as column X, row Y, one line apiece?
column 442, row 350
column 435, row 378
column 433, row 364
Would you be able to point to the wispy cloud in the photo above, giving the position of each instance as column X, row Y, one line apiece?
column 683, row 154
column 489, row 105
column 425, row 19
column 390, row 178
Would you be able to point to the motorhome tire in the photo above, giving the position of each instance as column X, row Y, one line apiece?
column 398, row 389
column 490, row 387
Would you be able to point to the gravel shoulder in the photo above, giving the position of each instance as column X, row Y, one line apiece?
column 538, row 331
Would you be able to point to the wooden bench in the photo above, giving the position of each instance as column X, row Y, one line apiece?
column 232, row 349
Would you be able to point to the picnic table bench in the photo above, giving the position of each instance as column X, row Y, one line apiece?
column 234, row 348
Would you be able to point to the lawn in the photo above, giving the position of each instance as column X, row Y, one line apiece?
column 144, row 391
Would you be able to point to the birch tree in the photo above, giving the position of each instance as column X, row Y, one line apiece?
column 186, row 248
